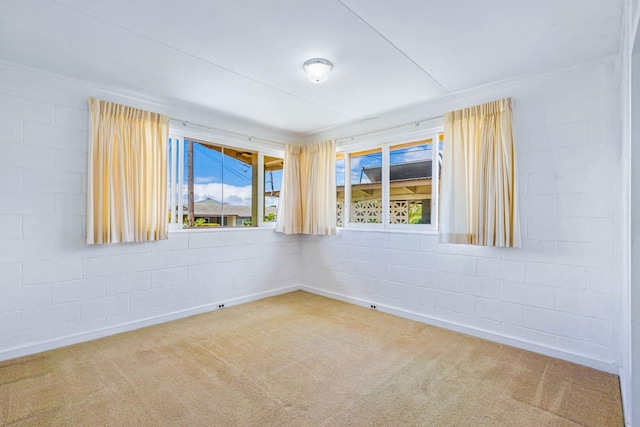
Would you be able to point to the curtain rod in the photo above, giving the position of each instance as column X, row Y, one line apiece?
column 373, row 132
column 253, row 138
column 228, row 132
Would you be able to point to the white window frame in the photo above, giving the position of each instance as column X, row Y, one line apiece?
column 176, row 171
column 385, row 144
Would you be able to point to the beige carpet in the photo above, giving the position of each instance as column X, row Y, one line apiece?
column 301, row 360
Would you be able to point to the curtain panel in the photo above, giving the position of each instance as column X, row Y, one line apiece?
column 479, row 199
column 127, row 174
column 308, row 191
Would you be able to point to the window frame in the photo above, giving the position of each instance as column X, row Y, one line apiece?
column 176, row 170
column 385, row 145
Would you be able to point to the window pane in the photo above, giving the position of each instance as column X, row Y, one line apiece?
column 272, row 183
column 340, row 190
column 173, row 190
column 366, row 186
column 438, row 165
column 224, row 186
column 410, row 177
column 240, row 187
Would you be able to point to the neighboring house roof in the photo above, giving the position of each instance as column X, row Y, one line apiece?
column 401, row 172
column 210, row 207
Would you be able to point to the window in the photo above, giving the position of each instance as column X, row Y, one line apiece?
column 410, row 177
column 391, row 185
column 272, row 182
column 214, row 185
column 340, row 189
column 366, row 186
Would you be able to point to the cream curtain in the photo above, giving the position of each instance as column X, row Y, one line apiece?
column 289, row 219
column 479, row 200
column 308, row 191
column 127, row 174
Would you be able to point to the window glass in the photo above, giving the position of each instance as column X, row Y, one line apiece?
column 410, row 182
column 173, row 190
column 396, row 184
column 272, row 183
column 221, row 186
column 438, row 165
column 366, row 186
column 340, row 189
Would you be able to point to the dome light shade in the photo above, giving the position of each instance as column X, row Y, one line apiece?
column 317, row 69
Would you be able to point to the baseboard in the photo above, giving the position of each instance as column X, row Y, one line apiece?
column 625, row 392
column 476, row 332
column 125, row 327
column 100, row 333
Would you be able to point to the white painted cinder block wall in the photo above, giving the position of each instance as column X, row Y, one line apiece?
column 55, row 289
column 560, row 293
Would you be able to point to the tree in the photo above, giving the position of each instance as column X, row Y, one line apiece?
column 415, row 213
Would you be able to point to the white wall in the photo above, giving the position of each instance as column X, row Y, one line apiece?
column 630, row 372
column 54, row 289
column 558, row 294
column 634, row 375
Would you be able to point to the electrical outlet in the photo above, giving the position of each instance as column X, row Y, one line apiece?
column 220, row 305
column 374, row 306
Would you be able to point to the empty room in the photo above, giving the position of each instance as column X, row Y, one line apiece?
column 337, row 213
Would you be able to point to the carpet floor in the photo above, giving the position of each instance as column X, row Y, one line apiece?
column 302, row 360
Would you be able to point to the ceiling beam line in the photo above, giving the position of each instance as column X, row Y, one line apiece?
column 392, row 44
column 199, row 58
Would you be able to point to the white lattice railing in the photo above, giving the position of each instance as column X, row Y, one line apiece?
column 370, row 211
column 366, row 211
column 399, row 212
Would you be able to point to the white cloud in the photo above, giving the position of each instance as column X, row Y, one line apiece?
column 411, row 155
column 204, row 179
column 355, row 163
column 271, row 201
column 232, row 195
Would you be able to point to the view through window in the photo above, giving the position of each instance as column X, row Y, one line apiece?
column 340, row 189
column 214, row 185
column 410, row 177
column 221, row 186
column 366, row 186
column 272, row 183
column 393, row 184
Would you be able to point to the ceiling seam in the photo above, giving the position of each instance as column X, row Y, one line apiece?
column 392, row 44
column 201, row 59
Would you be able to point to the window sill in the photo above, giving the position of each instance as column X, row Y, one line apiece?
column 220, row 229
column 389, row 230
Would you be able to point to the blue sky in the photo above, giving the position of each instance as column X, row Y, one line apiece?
column 222, row 177
column 399, row 156
column 233, row 181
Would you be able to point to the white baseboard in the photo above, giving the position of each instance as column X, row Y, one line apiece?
column 100, row 333
column 625, row 391
column 124, row 327
column 492, row 336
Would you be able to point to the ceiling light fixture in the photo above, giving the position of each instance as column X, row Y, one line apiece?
column 318, row 69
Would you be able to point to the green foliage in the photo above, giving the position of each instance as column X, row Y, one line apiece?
column 200, row 222
column 415, row 214
column 270, row 217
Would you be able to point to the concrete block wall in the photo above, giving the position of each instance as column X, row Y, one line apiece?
column 559, row 293
column 55, row 289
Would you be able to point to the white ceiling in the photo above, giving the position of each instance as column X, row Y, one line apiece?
column 244, row 57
